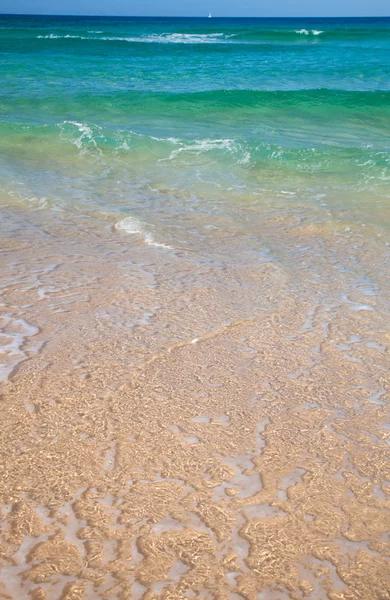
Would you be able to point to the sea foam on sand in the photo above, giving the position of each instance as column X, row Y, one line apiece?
column 135, row 226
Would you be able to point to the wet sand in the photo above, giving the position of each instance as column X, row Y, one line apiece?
column 205, row 422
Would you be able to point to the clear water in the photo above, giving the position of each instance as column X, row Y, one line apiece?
column 122, row 114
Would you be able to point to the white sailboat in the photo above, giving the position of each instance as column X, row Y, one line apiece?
column 210, row 15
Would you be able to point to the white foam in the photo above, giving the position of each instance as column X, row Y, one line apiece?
column 164, row 38
column 13, row 334
column 135, row 226
column 206, row 145
column 308, row 32
column 53, row 36
column 184, row 38
column 87, row 135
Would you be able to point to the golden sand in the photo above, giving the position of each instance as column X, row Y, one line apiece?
column 184, row 427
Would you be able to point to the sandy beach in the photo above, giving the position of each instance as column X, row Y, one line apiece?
column 194, row 310
column 168, row 432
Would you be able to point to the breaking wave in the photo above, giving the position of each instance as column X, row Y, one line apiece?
column 260, row 35
column 164, row 38
column 308, row 31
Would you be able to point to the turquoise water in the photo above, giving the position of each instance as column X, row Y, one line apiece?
column 122, row 114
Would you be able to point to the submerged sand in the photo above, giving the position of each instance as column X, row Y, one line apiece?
column 194, row 424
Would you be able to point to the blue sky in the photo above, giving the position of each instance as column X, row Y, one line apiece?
column 277, row 8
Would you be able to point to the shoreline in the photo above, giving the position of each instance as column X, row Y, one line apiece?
column 194, row 309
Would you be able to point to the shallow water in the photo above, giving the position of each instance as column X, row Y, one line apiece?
column 194, row 308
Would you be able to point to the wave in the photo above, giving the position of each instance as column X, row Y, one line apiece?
column 297, row 150
column 259, row 35
column 198, row 147
column 184, row 38
column 328, row 33
column 253, row 100
column 308, row 31
column 187, row 38
column 186, row 105
column 320, row 115
column 53, row 36
column 88, row 138
column 164, row 38
column 136, row 226
column 367, row 111
column 298, row 155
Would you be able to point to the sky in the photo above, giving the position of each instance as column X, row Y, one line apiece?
column 193, row 8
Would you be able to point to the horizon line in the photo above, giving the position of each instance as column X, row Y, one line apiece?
column 6, row 14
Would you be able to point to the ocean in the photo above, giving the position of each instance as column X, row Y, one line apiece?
column 195, row 307
column 218, row 110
